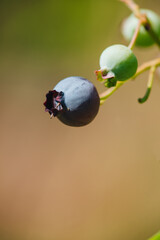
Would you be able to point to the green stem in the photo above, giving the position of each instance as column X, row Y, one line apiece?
column 147, row 65
column 149, row 85
column 109, row 92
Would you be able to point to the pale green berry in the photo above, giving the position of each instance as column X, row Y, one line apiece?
column 117, row 63
column 144, row 39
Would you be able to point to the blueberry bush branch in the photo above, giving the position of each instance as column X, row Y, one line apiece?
column 142, row 20
column 147, row 65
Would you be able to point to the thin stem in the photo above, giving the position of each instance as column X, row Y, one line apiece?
column 132, row 6
column 145, row 66
column 134, row 38
column 149, row 85
column 109, row 92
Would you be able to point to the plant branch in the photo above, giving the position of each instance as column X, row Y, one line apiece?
column 147, row 65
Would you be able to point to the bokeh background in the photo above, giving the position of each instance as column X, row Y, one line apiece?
column 101, row 181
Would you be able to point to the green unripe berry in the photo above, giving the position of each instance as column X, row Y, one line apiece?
column 118, row 63
column 144, row 39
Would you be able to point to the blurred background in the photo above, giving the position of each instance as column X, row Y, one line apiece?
column 101, row 181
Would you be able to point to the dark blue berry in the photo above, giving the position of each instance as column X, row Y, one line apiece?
column 74, row 100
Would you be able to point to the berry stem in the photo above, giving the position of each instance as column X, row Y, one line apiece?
column 143, row 18
column 133, row 7
column 153, row 64
column 149, row 85
column 147, row 65
column 132, row 43
column 109, row 92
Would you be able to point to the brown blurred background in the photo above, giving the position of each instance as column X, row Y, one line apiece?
column 101, row 181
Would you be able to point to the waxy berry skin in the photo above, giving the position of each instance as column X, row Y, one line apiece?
column 144, row 39
column 74, row 100
column 118, row 63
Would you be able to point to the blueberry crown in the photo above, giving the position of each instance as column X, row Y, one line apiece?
column 54, row 102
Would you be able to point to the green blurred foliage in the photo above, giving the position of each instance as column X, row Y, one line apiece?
column 155, row 237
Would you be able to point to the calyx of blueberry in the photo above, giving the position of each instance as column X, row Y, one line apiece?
column 108, row 77
column 54, row 103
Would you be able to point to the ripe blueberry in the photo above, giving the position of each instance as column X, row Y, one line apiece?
column 117, row 63
column 74, row 100
column 144, row 39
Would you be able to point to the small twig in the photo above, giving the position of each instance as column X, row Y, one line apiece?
column 149, row 85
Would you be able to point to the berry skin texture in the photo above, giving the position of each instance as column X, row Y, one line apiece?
column 117, row 63
column 144, row 39
column 74, row 100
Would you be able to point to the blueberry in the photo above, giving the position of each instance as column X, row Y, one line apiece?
column 117, row 63
column 144, row 39
column 74, row 100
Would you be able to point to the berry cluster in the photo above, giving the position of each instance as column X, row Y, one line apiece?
column 75, row 100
